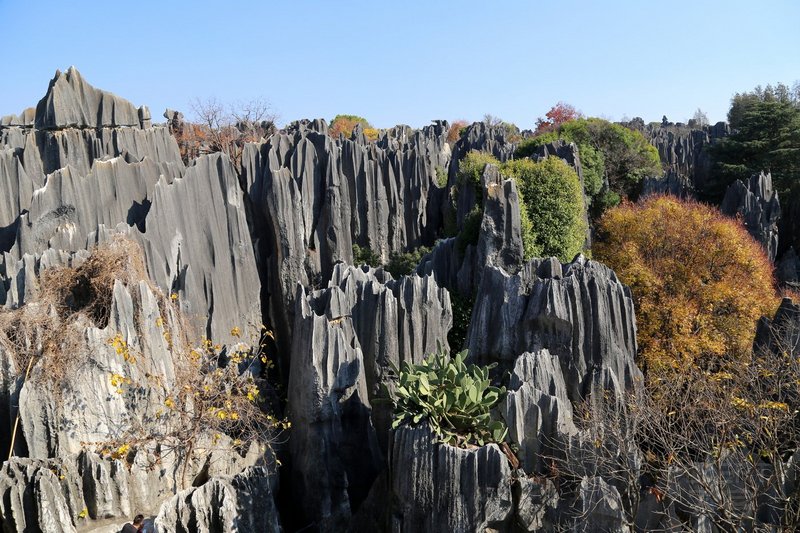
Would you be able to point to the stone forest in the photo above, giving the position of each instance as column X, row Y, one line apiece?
column 226, row 326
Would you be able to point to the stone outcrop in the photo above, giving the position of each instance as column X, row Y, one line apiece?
column 70, row 102
column 537, row 410
column 483, row 137
column 579, row 311
column 92, row 166
column 671, row 183
column 237, row 504
column 437, row 487
column 346, row 338
column 683, row 151
column 781, row 334
column 499, row 240
column 757, row 204
column 314, row 197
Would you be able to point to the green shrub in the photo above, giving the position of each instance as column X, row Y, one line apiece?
column 365, row 256
column 453, row 397
column 404, row 263
column 552, row 196
column 441, row 177
column 470, row 171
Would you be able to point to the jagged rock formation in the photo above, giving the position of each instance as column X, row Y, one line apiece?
column 499, row 240
column 482, row 137
column 315, row 197
column 223, row 505
column 72, row 103
column 759, row 208
column 92, row 166
column 62, row 418
column 579, row 311
column 537, row 409
column 346, row 338
column 683, row 151
column 272, row 242
column 671, row 183
column 436, row 487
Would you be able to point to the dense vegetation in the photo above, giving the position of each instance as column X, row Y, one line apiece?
column 765, row 135
column 552, row 221
column 610, row 153
column 699, row 280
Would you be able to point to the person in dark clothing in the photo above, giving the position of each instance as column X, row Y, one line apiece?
column 136, row 526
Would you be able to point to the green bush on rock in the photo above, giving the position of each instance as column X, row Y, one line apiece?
column 453, row 397
column 551, row 204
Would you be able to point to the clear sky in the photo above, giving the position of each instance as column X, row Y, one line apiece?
column 409, row 61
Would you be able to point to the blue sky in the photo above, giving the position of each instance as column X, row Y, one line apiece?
column 411, row 61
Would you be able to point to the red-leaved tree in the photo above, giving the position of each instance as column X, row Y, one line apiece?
column 558, row 114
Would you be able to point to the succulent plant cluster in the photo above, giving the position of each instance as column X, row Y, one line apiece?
column 454, row 398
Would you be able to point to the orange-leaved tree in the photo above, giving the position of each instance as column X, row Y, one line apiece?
column 344, row 124
column 456, row 128
column 699, row 281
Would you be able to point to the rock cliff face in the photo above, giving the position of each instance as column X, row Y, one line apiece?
column 90, row 167
column 346, row 340
column 314, row 197
column 757, row 204
column 578, row 311
column 683, row 151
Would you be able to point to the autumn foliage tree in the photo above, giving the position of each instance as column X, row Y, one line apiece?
column 344, row 124
column 456, row 128
column 558, row 114
column 700, row 282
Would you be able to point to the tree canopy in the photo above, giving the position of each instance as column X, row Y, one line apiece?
column 699, row 280
column 344, row 124
column 609, row 152
column 765, row 135
column 551, row 202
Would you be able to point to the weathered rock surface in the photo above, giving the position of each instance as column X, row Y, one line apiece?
column 684, row 152
column 781, row 334
column 599, row 508
column 93, row 166
column 759, row 208
column 70, row 102
column 537, row 410
column 484, row 138
column 315, row 197
column 536, row 505
column 437, row 487
column 499, row 241
column 345, row 339
column 579, row 311
column 239, row 504
column 32, row 497
column 671, row 183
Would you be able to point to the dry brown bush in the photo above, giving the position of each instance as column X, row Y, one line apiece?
column 218, row 391
column 68, row 300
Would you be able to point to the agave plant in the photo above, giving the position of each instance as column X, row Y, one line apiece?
column 454, row 398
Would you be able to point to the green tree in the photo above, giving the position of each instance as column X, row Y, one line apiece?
column 607, row 150
column 765, row 125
